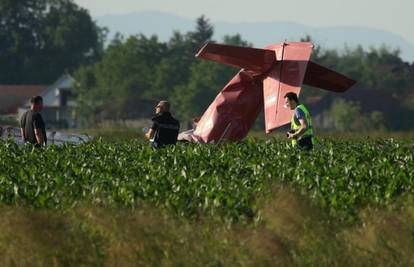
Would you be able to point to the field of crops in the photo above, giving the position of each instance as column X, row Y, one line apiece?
column 191, row 180
column 254, row 203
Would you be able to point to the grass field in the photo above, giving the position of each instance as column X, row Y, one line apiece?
column 252, row 203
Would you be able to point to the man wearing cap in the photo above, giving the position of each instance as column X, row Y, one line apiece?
column 165, row 128
column 301, row 132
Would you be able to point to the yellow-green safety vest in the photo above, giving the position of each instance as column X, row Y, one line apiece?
column 295, row 126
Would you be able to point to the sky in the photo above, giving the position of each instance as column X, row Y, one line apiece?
column 394, row 16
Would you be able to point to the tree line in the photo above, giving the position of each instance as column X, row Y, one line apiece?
column 141, row 68
column 41, row 39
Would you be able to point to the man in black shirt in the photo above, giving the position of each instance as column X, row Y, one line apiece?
column 165, row 128
column 32, row 125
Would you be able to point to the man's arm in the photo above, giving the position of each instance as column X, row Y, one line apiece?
column 150, row 134
column 39, row 136
column 22, row 126
column 38, row 126
column 300, row 116
column 302, row 129
column 22, row 133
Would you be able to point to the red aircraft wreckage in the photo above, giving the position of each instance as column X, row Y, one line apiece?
column 266, row 75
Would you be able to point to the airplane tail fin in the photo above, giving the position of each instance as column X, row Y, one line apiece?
column 285, row 76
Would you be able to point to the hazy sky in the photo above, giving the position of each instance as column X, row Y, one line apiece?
column 394, row 16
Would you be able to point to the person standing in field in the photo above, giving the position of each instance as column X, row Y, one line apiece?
column 165, row 128
column 33, row 128
column 301, row 132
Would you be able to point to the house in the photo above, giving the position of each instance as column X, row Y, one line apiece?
column 14, row 96
column 58, row 104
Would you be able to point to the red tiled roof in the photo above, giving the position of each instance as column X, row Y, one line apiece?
column 14, row 96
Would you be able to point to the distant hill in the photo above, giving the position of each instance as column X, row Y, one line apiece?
column 259, row 33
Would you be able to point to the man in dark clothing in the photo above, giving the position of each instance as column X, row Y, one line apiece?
column 165, row 128
column 32, row 125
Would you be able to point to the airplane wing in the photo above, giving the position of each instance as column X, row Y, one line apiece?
column 259, row 60
column 327, row 79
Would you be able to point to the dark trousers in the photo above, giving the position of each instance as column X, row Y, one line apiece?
column 305, row 143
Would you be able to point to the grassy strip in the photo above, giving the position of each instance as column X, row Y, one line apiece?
column 291, row 232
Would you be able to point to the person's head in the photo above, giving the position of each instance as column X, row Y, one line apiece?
column 291, row 100
column 162, row 106
column 36, row 103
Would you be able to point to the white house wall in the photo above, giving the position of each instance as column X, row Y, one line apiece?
column 50, row 97
column 52, row 112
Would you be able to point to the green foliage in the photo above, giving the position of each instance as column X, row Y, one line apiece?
column 382, row 74
column 143, row 69
column 203, row 33
column 125, row 204
column 344, row 114
column 121, row 79
column 347, row 117
column 4, row 120
column 190, row 180
column 292, row 232
column 41, row 39
column 206, row 77
column 236, row 40
column 380, row 69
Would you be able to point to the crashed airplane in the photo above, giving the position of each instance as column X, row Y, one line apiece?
column 266, row 75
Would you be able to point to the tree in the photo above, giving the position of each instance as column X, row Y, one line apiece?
column 41, row 39
column 344, row 114
column 203, row 33
column 206, row 81
column 236, row 40
column 115, row 86
column 347, row 116
column 20, row 27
